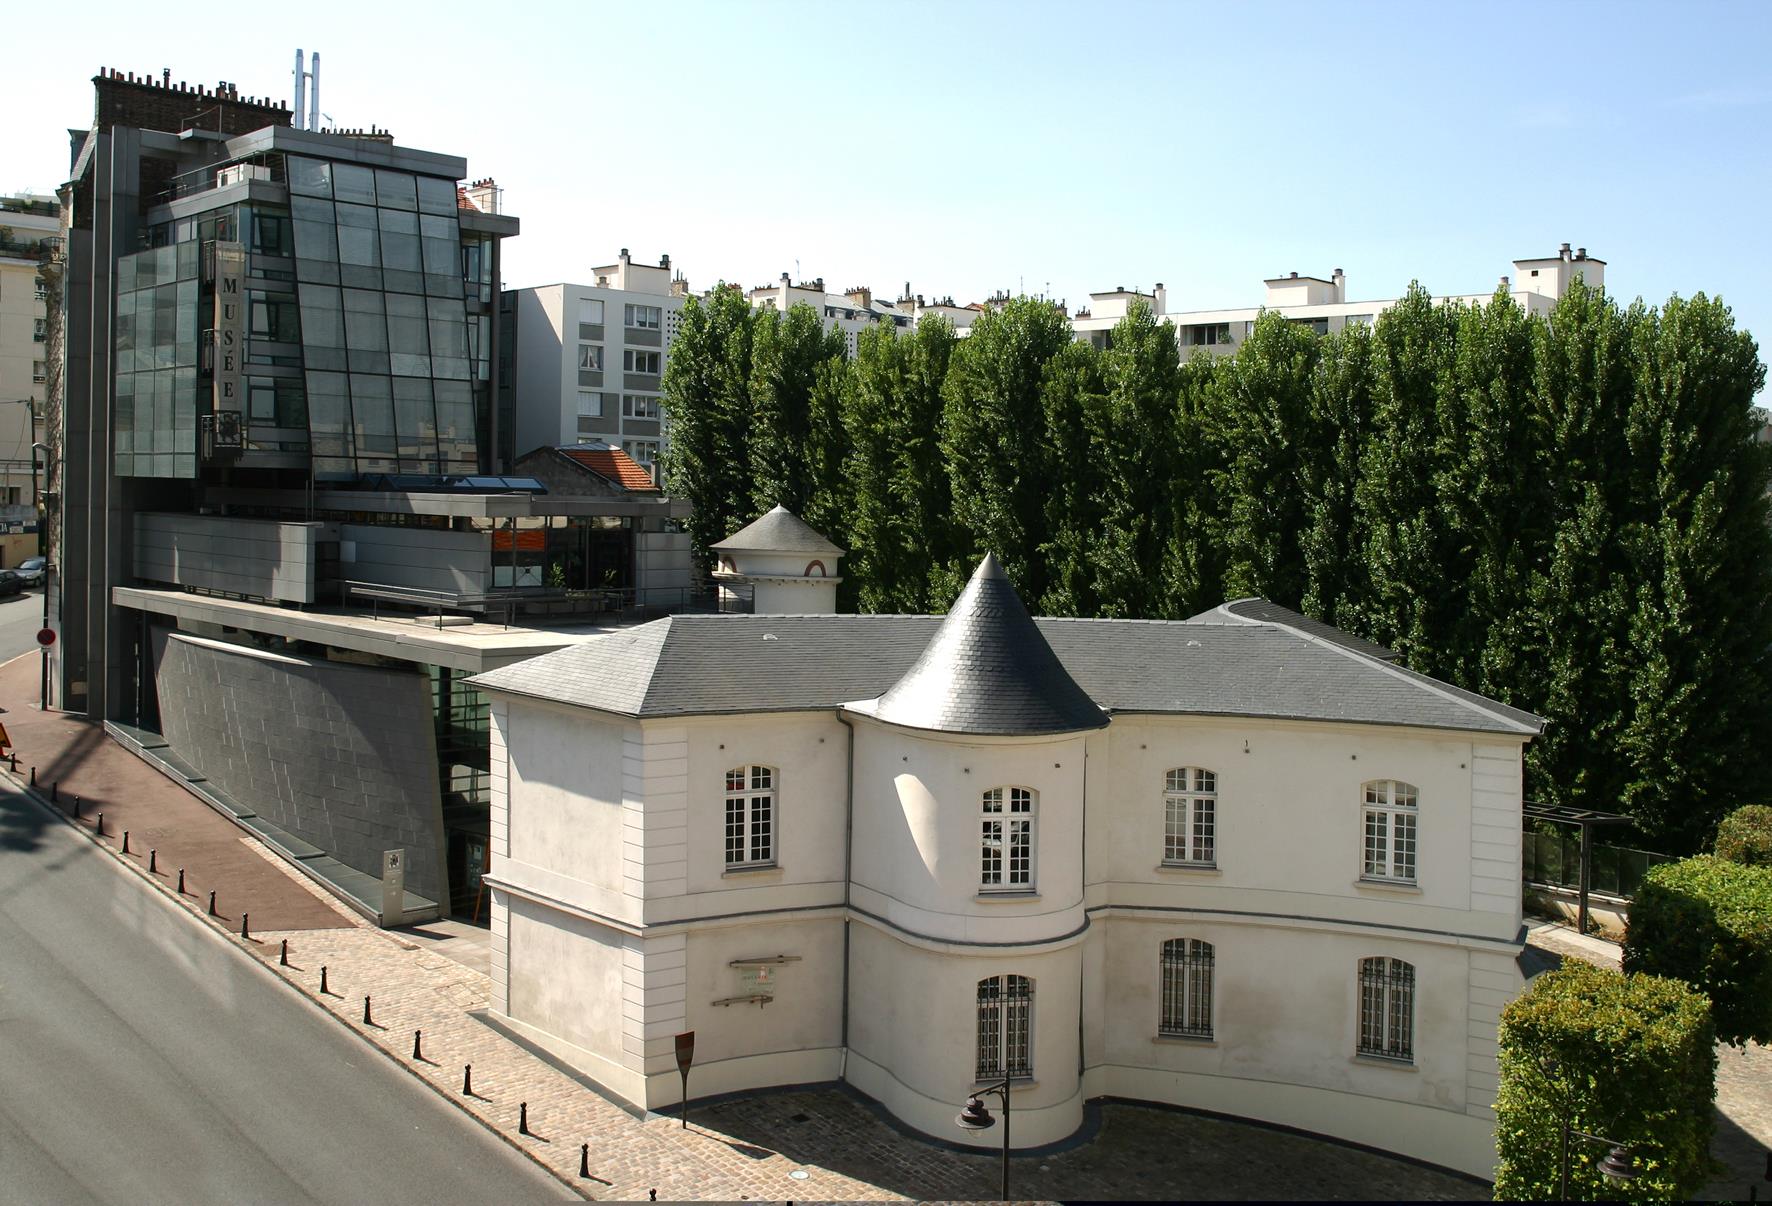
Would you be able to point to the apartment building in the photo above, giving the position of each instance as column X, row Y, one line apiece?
column 590, row 358
column 852, row 311
column 1323, row 304
column 30, row 249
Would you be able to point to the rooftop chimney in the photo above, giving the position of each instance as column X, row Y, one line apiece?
column 1563, row 252
column 664, row 261
column 624, row 255
column 1340, row 279
column 1581, row 253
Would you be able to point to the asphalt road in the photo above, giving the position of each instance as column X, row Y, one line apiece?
column 20, row 618
column 145, row 1060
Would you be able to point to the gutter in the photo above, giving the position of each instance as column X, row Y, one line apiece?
column 848, row 879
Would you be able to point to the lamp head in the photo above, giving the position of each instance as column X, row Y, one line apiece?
column 1620, row 1164
column 975, row 1117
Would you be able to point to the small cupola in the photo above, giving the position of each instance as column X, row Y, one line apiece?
column 989, row 671
column 782, row 562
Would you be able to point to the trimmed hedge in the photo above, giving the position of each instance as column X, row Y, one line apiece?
column 1708, row 921
column 1745, row 836
column 1630, row 1057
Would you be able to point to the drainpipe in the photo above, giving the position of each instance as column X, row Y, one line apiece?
column 848, row 860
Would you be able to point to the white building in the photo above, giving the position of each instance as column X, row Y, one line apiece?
column 851, row 312
column 30, row 227
column 1242, row 863
column 590, row 359
column 1323, row 304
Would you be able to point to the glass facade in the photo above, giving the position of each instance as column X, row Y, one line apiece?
column 156, row 362
column 367, row 328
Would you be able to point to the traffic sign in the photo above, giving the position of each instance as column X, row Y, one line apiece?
column 46, row 637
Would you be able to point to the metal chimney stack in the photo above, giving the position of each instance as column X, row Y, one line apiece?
column 314, row 93
column 301, row 89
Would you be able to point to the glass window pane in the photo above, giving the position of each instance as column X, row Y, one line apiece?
column 394, row 190
column 436, row 195
column 353, row 183
column 312, row 177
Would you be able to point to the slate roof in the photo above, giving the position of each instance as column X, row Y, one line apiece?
column 778, row 531
column 988, row 670
column 691, row 665
column 1265, row 612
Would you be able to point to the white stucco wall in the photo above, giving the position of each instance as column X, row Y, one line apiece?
column 616, row 835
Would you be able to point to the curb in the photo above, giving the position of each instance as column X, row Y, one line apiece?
column 247, row 946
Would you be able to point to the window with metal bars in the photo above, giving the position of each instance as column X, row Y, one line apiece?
column 1190, row 817
column 1387, row 1008
column 1186, row 1000
column 1390, row 831
column 1005, row 1027
column 1006, row 840
column 750, row 816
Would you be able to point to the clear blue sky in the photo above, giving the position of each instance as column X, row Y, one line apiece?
column 967, row 147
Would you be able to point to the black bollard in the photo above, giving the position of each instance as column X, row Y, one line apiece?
column 153, row 862
column 245, row 930
column 322, row 979
column 181, row 881
column 100, row 827
column 212, row 902
column 584, row 1159
column 33, row 776
column 652, row 1195
column 366, row 1019
column 417, row 1049
column 523, row 1118
column 467, row 1080
column 126, row 841
column 283, row 954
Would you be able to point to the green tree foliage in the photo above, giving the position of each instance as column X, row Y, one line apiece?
column 1708, row 921
column 1567, row 513
column 1745, row 836
column 1629, row 1057
column 1261, row 422
column 707, row 406
column 994, row 437
column 787, row 353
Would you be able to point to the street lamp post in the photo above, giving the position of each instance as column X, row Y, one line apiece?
column 1619, row 1166
column 42, row 534
column 976, row 1117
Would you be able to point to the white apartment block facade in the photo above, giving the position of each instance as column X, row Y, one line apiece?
column 590, row 359
column 851, row 312
column 1323, row 304
column 29, row 225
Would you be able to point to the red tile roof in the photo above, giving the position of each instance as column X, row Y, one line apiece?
column 615, row 465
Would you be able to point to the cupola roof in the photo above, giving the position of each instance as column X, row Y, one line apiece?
column 989, row 671
column 778, row 531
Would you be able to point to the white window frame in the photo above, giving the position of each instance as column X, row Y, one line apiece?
column 1190, row 817
column 1008, row 833
column 749, row 816
column 1390, row 832
column 642, row 318
column 588, row 306
column 1186, row 970
column 630, row 356
column 590, row 404
column 639, row 406
column 1004, row 1044
column 1386, row 1009
column 592, row 352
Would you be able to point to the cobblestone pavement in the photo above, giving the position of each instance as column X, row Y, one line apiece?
column 1744, row 1082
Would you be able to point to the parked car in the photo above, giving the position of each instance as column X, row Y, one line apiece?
column 31, row 570
column 11, row 583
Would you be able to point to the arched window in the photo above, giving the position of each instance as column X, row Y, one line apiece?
column 750, row 816
column 1387, row 1008
column 1005, row 1027
column 1390, row 814
column 1190, row 817
column 1185, row 1008
column 1006, row 833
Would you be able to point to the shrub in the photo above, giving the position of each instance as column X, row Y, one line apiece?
column 1630, row 1057
column 1708, row 922
column 1745, row 836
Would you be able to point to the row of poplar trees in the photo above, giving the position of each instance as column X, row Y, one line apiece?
column 1566, row 514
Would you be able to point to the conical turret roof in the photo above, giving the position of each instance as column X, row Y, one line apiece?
column 779, row 530
column 988, row 671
